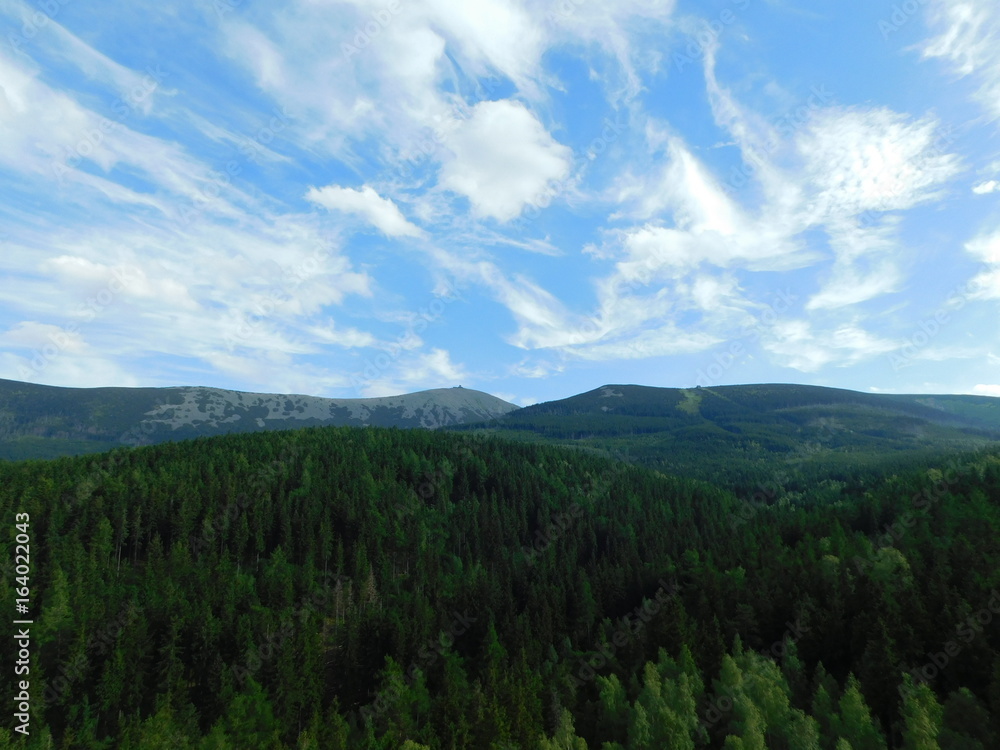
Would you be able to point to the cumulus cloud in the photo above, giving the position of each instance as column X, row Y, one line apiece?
column 502, row 158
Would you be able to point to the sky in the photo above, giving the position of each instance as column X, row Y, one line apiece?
column 533, row 199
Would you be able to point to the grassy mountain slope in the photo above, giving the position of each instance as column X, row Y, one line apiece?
column 745, row 435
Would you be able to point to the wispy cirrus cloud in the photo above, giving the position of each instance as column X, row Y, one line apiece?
column 968, row 38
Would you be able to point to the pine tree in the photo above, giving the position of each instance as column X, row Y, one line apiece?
column 855, row 722
column 921, row 716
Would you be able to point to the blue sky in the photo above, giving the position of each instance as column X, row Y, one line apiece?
column 533, row 199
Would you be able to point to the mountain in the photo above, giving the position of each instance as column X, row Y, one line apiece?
column 741, row 435
column 746, row 435
column 351, row 589
column 40, row 421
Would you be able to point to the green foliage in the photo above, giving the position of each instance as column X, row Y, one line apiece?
column 369, row 588
column 768, row 441
column 921, row 717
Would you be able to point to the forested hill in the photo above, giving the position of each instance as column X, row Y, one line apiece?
column 743, row 435
column 40, row 421
column 347, row 588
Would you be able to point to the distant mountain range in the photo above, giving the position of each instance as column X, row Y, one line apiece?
column 709, row 433
column 40, row 421
column 745, row 435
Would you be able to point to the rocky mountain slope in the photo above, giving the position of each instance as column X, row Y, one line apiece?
column 39, row 421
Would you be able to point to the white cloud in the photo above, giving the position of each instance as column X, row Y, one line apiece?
column 380, row 212
column 969, row 39
column 985, row 248
column 419, row 371
column 448, row 103
column 349, row 338
column 71, row 371
column 653, row 342
column 841, row 170
column 502, row 158
column 57, row 355
column 847, row 287
column 686, row 188
column 497, row 34
column 77, row 274
column 260, row 53
column 536, row 369
column 987, row 390
column 797, row 345
column 132, row 87
column 277, row 373
column 871, row 161
column 544, row 321
column 31, row 334
column 629, row 32
column 78, row 156
column 948, row 353
column 208, row 293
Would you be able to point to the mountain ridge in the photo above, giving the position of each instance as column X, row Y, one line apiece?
column 745, row 435
column 40, row 421
column 652, row 424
